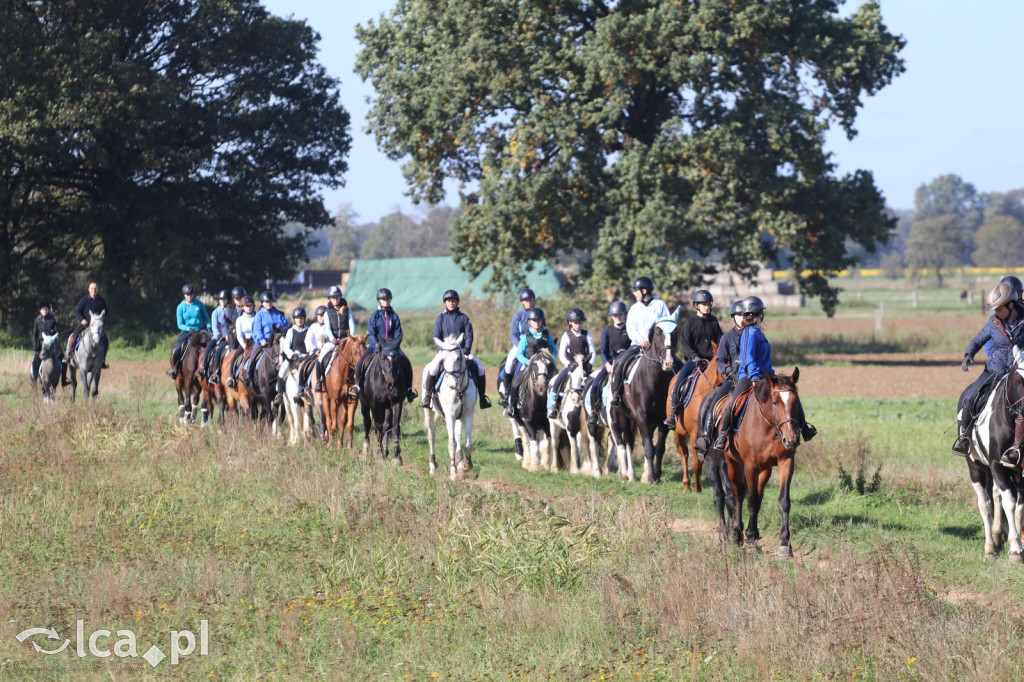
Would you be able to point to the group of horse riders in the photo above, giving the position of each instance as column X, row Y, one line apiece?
column 1002, row 331
column 743, row 353
column 91, row 304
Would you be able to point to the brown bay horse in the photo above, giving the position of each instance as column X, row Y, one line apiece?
column 186, row 384
column 767, row 437
column 687, row 423
column 336, row 409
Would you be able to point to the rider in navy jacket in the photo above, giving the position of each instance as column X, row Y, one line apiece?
column 452, row 323
column 384, row 330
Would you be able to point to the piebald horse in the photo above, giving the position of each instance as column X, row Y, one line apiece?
column 570, row 419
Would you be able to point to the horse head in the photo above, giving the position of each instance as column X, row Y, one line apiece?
column 660, row 338
column 778, row 393
column 452, row 358
column 96, row 323
column 577, row 377
column 541, row 367
column 48, row 346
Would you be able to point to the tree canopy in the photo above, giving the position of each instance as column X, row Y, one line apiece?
column 651, row 134
column 152, row 143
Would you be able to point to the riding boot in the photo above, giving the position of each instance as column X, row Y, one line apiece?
column 670, row 420
column 428, row 391
column 808, row 431
column 1012, row 456
column 506, row 385
column 723, row 435
column 279, row 391
column 481, row 384
column 319, row 388
column 962, row 445
column 357, row 383
column 173, row 371
column 510, row 408
column 64, row 372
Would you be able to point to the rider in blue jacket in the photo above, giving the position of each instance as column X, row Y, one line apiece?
column 536, row 339
column 268, row 320
column 1001, row 332
column 453, row 323
column 383, row 331
column 192, row 317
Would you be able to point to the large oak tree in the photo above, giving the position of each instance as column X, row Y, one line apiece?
column 652, row 133
column 156, row 142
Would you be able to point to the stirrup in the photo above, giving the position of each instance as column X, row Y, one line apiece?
column 721, row 442
column 962, row 446
column 701, row 444
column 230, row 383
column 172, row 373
column 1011, row 457
column 553, row 413
column 670, row 422
column 485, row 402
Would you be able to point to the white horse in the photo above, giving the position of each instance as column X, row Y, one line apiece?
column 455, row 400
column 49, row 367
column 88, row 358
column 570, row 419
column 298, row 406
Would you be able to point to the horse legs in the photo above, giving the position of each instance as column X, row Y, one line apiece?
column 550, row 448
column 466, row 438
column 756, row 482
column 659, row 451
column 786, row 465
column 647, row 437
column 396, row 429
column 738, row 480
column 428, row 426
column 682, row 446
column 454, row 427
column 981, row 481
column 365, row 409
column 518, row 437
column 594, row 455
column 1008, row 497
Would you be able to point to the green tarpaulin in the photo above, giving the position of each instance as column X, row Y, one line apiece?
column 418, row 283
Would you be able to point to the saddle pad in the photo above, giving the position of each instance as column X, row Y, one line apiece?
column 631, row 370
column 691, row 384
column 440, row 378
column 306, row 370
column 739, row 408
column 329, row 359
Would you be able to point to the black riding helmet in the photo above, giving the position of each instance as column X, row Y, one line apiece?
column 450, row 295
column 188, row 290
column 249, row 301
column 574, row 315
column 267, row 296
column 734, row 309
column 223, row 295
column 334, row 291
column 238, row 292
column 299, row 312
column 1014, row 283
column 643, row 283
column 535, row 314
column 384, row 294
column 702, row 296
column 752, row 304
column 320, row 310
column 617, row 308
column 526, row 294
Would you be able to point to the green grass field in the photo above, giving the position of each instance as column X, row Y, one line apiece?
column 307, row 562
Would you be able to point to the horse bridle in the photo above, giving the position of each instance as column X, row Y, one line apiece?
column 457, row 374
column 778, row 423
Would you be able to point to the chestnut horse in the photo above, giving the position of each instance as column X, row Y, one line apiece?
column 687, row 424
column 767, row 437
column 336, row 409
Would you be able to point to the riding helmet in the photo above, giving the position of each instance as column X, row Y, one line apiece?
column 188, row 290
column 751, row 304
column 535, row 314
column 451, row 294
column 299, row 312
column 384, row 293
column 334, row 291
column 526, row 294
column 267, row 296
column 1014, row 283
column 1000, row 295
column 643, row 283
column 249, row 301
column 223, row 295
column 735, row 308
column 320, row 310
column 703, row 296
column 617, row 308
column 575, row 315
column 238, row 292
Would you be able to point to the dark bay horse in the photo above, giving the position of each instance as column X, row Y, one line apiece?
column 186, row 384
column 385, row 387
column 264, row 385
column 336, row 409
column 991, row 436
column 767, row 437
column 687, row 424
column 644, row 398
column 531, row 388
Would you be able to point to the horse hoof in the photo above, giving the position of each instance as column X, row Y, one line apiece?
column 433, row 468
column 991, row 556
column 786, row 552
column 1016, row 559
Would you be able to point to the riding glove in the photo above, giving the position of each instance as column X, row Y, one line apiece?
column 968, row 360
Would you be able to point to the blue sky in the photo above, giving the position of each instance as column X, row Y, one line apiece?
column 959, row 107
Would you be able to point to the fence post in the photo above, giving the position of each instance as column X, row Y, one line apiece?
column 879, row 311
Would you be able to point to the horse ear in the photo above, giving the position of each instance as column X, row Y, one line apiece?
column 675, row 315
column 796, row 375
column 458, row 341
column 103, row 315
column 440, row 344
column 763, row 389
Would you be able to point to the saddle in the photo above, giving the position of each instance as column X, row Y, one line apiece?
column 984, row 391
column 686, row 386
column 306, row 369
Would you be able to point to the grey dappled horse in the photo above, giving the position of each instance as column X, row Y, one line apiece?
column 87, row 358
column 49, row 367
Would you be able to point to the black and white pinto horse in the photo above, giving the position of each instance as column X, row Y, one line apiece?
column 49, row 367
column 532, row 416
column 643, row 399
column 993, row 481
column 455, row 402
column 570, row 419
column 385, row 386
column 88, row 358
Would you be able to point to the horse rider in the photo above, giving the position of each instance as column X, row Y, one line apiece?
column 515, row 332
column 191, row 317
column 340, row 322
column 268, row 320
column 44, row 325
column 614, row 340
column 243, row 333
column 647, row 310
column 726, row 361
column 453, row 323
column 90, row 303
column 1003, row 330
column 222, row 320
column 383, row 331
column 293, row 349
column 536, row 339
column 696, row 336
column 574, row 342
column 318, row 343
column 755, row 361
